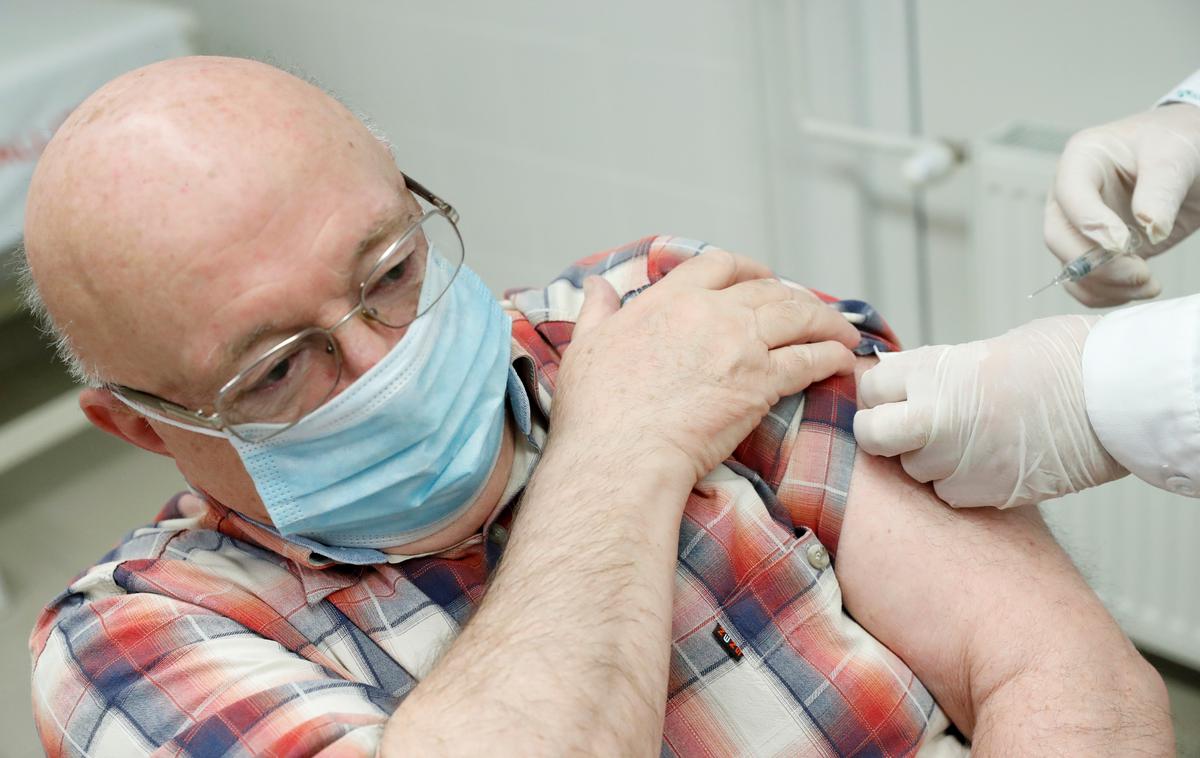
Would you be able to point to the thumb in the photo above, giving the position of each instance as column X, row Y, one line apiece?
column 1163, row 182
column 599, row 302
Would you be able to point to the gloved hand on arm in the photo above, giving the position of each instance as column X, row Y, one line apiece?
column 1142, row 171
column 999, row 422
column 1005, row 421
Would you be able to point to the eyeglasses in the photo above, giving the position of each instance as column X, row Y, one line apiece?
column 298, row 375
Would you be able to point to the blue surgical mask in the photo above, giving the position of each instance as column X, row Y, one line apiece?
column 404, row 450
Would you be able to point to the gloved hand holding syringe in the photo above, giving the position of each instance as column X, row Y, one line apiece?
column 1092, row 260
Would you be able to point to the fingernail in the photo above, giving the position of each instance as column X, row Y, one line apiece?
column 1119, row 237
column 1150, row 289
column 1155, row 232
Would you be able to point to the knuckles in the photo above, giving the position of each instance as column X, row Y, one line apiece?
column 1086, row 140
column 723, row 263
column 803, row 314
column 799, row 359
column 694, row 358
column 720, row 258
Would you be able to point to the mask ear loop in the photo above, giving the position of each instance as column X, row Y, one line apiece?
column 148, row 413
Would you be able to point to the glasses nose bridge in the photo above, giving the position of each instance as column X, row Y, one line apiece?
column 358, row 310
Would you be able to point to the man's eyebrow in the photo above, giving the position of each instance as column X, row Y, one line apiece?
column 391, row 223
column 380, row 231
column 246, row 341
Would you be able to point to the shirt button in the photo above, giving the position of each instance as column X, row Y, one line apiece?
column 498, row 535
column 1181, row 485
column 818, row 556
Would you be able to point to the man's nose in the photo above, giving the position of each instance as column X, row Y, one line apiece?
column 363, row 344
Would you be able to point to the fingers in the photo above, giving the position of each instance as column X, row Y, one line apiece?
column 757, row 292
column 887, row 381
column 1117, row 282
column 793, row 321
column 600, row 301
column 890, row 429
column 789, row 313
column 931, row 463
column 715, row 269
column 1095, row 293
column 887, row 423
column 906, row 429
column 1163, row 181
column 795, row 367
column 800, row 291
column 1087, row 165
column 1063, row 239
column 959, row 491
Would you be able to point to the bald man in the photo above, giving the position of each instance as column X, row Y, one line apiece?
column 657, row 445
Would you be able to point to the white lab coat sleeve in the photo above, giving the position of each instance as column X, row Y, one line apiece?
column 1141, row 382
column 1187, row 92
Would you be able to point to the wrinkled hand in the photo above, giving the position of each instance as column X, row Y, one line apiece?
column 681, row 374
column 999, row 422
column 1143, row 172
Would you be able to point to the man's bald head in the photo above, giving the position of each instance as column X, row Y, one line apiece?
column 165, row 177
column 195, row 214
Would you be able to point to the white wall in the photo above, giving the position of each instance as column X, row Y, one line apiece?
column 557, row 129
column 1063, row 63
column 561, row 128
column 978, row 65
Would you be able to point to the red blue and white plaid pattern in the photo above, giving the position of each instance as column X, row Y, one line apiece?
column 206, row 634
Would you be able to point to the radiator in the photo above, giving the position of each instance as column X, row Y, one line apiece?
column 1137, row 545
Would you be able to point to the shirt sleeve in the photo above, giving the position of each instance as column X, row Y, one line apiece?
column 802, row 454
column 1141, row 376
column 1187, row 92
column 134, row 674
column 804, row 450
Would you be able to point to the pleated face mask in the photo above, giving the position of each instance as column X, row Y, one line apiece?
column 404, row 450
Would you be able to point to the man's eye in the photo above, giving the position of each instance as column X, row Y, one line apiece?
column 277, row 373
column 395, row 273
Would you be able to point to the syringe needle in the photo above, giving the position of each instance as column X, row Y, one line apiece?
column 1092, row 260
column 1044, row 287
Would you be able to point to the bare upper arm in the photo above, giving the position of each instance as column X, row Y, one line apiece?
column 971, row 598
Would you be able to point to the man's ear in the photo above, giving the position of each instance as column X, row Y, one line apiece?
column 109, row 414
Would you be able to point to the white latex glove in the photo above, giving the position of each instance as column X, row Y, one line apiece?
column 1142, row 171
column 998, row 422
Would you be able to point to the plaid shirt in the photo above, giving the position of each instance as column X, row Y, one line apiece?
column 209, row 634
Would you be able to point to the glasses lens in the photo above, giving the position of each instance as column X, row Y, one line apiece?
column 414, row 271
column 291, row 381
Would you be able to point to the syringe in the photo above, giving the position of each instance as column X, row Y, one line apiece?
column 1090, row 261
